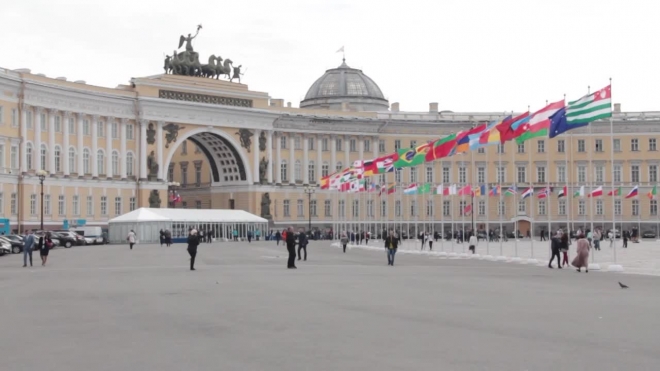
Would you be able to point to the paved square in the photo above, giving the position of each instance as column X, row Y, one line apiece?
column 109, row 308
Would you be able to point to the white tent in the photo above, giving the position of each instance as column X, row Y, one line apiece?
column 147, row 223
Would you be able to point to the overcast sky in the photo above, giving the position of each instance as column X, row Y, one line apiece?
column 467, row 55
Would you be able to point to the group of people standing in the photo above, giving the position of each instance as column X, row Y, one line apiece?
column 561, row 241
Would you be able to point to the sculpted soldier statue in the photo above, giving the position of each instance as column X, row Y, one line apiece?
column 237, row 74
column 189, row 40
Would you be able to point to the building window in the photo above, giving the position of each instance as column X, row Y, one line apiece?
column 561, row 146
column 311, row 173
column 170, row 173
column 184, row 174
column 562, row 207
column 130, row 163
column 86, row 161
column 446, row 174
column 14, row 204
column 129, row 132
column 501, row 174
column 561, row 174
column 634, row 144
column 599, row 145
column 367, row 145
column 198, row 174
column 44, row 154
column 540, row 174
column 599, row 173
column 635, row 207
column 100, row 162
column 13, row 157
column 653, row 205
column 542, row 207
column 582, row 174
column 327, row 208
column 522, row 178
column 61, row 205
column 86, row 130
column 310, row 143
column 634, row 173
column 397, row 208
column 115, row 130
column 617, row 173
column 413, row 174
column 283, row 142
column 184, row 147
column 33, row 204
column 286, row 208
column 397, row 145
column 413, row 208
column 325, row 144
column 299, row 208
column 338, row 144
column 100, row 129
column 446, row 208
column 540, row 146
column 461, row 207
column 356, row 209
column 429, row 174
column 104, row 205
column 381, row 146
column 352, row 145
column 500, row 148
column 339, row 166
column 522, row 206
column 652, row 144
column 429, row 207
column 325, row 169
column 581, row 146
column 184, row 205
column 599, row 207
column 413, row 143
column 653, row 173
column 131, row 204
column 481, row 175
column 462, row 175
column 397, row 175
column 115, row 163
column 341, row 206
column 72, row 160
column 312, row 208
column 481, row 206
column 617, row 207
column 297, row 171
column 28, row 156
column 47, row 210
column 521, row 147
column 581, row 207
column 90, row 205
column 198, row 204
column 76, row 205
column 383, row 208
column 297, row 143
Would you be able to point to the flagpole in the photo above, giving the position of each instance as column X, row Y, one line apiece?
column 590, row 182
column 548, row 196
column 569, row 166
column 515, row 204
column 442, row 218
column 474, row 181
column 614, row 267
column 499, row 213
column 531, row 201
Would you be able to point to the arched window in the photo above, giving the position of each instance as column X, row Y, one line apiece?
column 339, row 166
column 129, row 164
column 72, row 160
column 100, row 161
column 57, row 152
column 28, row 156
column 311, row 174
column 115, row 163
column 283, row 172
column 44, row 153
column 86, row 165
column 325, row 169
column 297, row 171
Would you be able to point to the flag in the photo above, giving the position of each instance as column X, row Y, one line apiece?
column 579, row 192
column 410, row 190
column 452, row 190
column 507, row 132
column 439, row 190
column 467, row 210
column 412, row 156
column 463, row 138
column 528, row 193
column 390, row 189
column 369, row 167
column 424, row 188
column 358, row 164
column 615, row 192
column 325, row 182
column 511, row 191
column 341, row 50
column 592, row 107
column 539, row 123
column 491, row 135
column 385, row 164
column 442, row 147
column 479, row 191
column 562, row 192
column 596, row 192
column 495, row 191
column 633, row 192
column 544, row 193
column 465, row 191
column 652, row 193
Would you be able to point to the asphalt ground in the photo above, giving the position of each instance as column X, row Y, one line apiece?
column 110, row 308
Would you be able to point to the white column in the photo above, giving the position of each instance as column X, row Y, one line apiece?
column 79, row 139
column 36, row 151
column 278, row 144
column 333, row 153
column 108, row 147
column 292, row 160
column 319, row 160
column 143, row 149
column 65, row 143
column 123, row 155
column 95, row 146
column 51, row 141
column 24, row 167
column 374, row 145
column 347, row 158
column 305, row 164
column 255, row 155
column 159, row 146
column 269, row 146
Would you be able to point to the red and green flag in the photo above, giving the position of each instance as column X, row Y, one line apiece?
column 442, row 147
column 615, row 192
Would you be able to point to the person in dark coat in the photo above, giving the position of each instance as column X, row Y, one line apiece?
column 555, row 246
column 278, row 237
column 193, row 241
column 302, row 244
column 391, row 244
column 291, row 247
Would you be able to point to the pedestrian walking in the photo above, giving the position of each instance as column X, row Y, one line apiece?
column 291, row 247
column 582, row 258
column 168, row 237
column 249, row 236
column 563, row 247
column 131, row 238
column 596, row 239
column 422, row 237
column 45, row 244
column 344, row 240
column 193, row 242
column 278, row 237
column 472, row 243
column 235, row 233
column 625, row 239
column 391, row 244
column 302, row 244
column 430, row 243
column 555, row 248
column 162, row 237
column 27, row 248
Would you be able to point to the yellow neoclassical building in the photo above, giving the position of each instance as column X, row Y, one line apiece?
column 108, row 151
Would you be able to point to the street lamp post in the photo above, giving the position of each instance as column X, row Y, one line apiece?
column 310, row 191
column 42, row 176
column 170, row 192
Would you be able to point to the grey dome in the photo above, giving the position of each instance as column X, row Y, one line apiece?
column 345, row 88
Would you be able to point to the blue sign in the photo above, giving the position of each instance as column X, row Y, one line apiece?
column 4, row 226
column 66, row 224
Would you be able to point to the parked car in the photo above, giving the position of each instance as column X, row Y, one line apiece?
column 67, row 239
column 5, row 248
column 648, row 234
column 16, row 245
column 53, row 237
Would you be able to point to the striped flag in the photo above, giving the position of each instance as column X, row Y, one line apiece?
column 544, row 193
column 592, row 107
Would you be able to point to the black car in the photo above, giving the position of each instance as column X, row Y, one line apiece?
column 67, row 239
column 16, row 245
column 648, row 234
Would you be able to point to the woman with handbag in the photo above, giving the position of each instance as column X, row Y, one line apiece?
column 44, row 244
